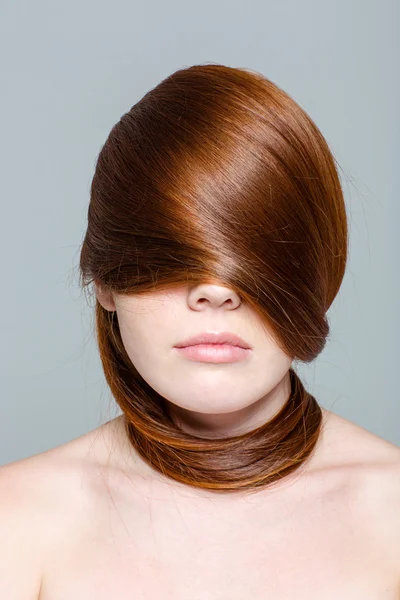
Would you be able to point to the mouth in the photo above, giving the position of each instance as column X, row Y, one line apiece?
column 219, row 339
column 214, row 353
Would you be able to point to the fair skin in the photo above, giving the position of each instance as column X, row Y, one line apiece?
column 208, row 398
column 92, row 519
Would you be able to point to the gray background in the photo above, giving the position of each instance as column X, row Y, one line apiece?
column 69, row 70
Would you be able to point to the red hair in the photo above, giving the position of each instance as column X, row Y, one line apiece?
column 218, row 175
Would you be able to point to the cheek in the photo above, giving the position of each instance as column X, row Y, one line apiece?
column 144, row 340
column 153, row 361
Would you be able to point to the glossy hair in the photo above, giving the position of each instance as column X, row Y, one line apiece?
column 217, row 175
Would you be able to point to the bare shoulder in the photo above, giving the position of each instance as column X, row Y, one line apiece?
column 20, row 542
column 371, row 466
column 373, row 461
column 44, row 497
column 41, row 486
column 39, row 498
column 23, row 505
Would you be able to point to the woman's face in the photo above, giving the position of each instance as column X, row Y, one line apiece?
column 207, row 398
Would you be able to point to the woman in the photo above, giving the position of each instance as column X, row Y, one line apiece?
column 216, row 242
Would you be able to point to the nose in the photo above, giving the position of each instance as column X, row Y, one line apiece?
column 212, row 296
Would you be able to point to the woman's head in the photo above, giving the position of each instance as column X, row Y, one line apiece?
column 215, row 182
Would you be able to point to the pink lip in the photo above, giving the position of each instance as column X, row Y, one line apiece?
column 224, row 337
column 215, row 353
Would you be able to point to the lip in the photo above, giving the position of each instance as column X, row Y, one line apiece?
column 223, row 337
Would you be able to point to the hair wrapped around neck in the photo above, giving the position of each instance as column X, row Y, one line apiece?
column 216, row 174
